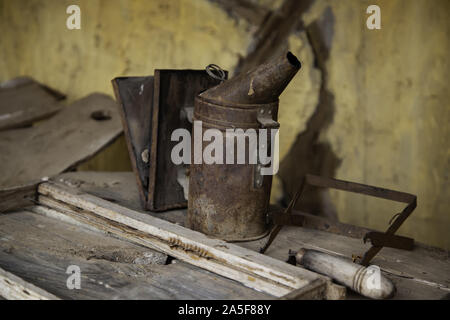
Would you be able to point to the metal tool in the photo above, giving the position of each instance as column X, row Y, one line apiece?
column 230, row 201
column 378, row 239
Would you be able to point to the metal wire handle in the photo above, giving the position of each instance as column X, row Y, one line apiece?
column 215, row 72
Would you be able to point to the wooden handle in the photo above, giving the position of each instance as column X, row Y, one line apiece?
column 367, row 281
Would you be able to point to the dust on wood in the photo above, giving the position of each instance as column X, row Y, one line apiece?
column 419, row 274
column 59, row 143
column 39, row 250
column 24, row 101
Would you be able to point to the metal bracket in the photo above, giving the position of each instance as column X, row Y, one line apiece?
column 265, row 118
column 378, row 239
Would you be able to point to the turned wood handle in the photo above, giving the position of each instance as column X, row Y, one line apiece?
column 368, row 281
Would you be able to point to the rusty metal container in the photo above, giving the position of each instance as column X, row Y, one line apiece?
column 231, row 201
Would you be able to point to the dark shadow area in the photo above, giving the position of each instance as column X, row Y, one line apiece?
column 308, row 154
column 271, row 37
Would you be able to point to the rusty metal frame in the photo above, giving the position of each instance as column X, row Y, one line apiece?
column 378, row 239
column 151, row 107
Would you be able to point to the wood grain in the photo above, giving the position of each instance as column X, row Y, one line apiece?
column 419, row 274
column 14, row 288
column 24, row 101
column 39, row 249
column 247, row 267
column 59, row 143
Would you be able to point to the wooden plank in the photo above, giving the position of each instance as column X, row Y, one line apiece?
column 59, row 143
column 310, row 221
column 307, row 292
column 14, row 288
column 24, row 101
column 85, row 219
column 419, row 274
column 39, row 249
column 248, row 267
column 18, row 197
column 424, row 267
column 117, row 187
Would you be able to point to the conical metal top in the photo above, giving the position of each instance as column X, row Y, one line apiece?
column 264, row 84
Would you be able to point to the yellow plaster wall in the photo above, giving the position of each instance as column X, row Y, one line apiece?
column 117, row 38
column 391, row 118
column 391, row 126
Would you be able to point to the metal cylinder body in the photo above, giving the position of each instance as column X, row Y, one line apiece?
column 230, row 201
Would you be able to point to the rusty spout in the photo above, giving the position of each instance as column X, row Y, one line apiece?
column 263, row 84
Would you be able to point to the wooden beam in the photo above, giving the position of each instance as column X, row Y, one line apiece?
column 39, row 250
column 243, row 265
column 13, row 198
column 14, row 288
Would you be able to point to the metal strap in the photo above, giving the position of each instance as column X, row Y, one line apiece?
column 379, row 239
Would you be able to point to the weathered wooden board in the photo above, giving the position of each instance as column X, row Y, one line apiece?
column 247, row 267
column 23, row 101
column 118, row 187
column 423, row 273
column 39, row 249
column 18, row 197
column 76, row 133
column 424, row 267
column 14, row 288
column 58, row 210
